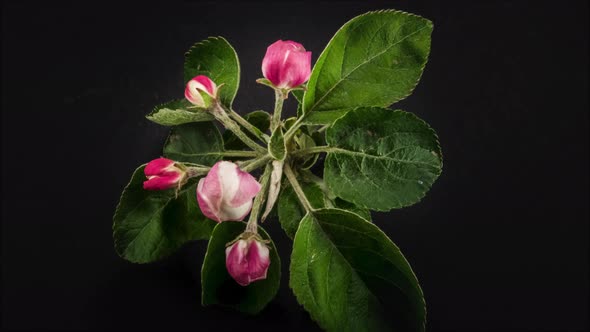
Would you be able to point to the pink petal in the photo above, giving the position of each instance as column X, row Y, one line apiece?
column 157, row 166
column 207, row 207
column 161, row 182
column 286, row 64
column 193, row 95
column 258, row 261
column 297, row 69
column 235, row 262
column 210, row 194
column 295, row 46
column 247, row 261
column 206, row 85
column 248, row 188
column 235, row 213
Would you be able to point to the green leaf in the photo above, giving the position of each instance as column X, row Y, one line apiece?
column 305, row 141
column 350, row 207
column 198, row 143
column 216, row 58
column 220, row 288
column 150, row 225
column 350, row 277
column 291, row 211
column 177, row 112
column 298, row 94
column 276, row 146
column 375, row 59
column 381, row 159
column 259, row 119
column 323, row 118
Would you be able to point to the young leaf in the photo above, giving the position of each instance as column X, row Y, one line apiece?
column 259, row 119
column 150, row 225
column 177, row 112
column 298, row 94
column 381, row 159
column 276, row 146
column 305, row 141
column 216, row 58
column 350, row 277
column 291, row 212
column 220, row 288
column 375, row 59
column 198, row 143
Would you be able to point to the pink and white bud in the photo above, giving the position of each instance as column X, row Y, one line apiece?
column 162, row 174
column 286, row 64
column 247, row 261
column 226, row 192
column 200, row 90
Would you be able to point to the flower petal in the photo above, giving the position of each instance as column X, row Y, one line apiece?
column 207, row 207
column 235, row 262
column 156, row 182
column 258, row 261
column 286, row 64
column 206, row 85
column 235, row 213
column 157, row 166
column 248, row 188
column 210, row 194
column 192, row 94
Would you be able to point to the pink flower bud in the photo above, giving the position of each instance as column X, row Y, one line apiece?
column 199, row 87
column 226, row 192
column 247, row 261
column 286, row 64
column 162, row 174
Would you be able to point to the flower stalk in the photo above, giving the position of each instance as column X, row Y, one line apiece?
column 280, row 97
column 220, row 114
column 252, row 226
column 250, row 165
column 297, row 188
column 248, row 126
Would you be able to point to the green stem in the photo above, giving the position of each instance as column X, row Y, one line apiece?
column 220, row 114
column 314, row 149
column 193, row 172
column 239, row 153
column 276, row 116
column 244, row 123
column 310, row 177
column 294, row 128
column 297, row 188
column 252, row 225
column 250, row 165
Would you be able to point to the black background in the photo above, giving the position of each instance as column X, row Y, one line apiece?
column 499, row 243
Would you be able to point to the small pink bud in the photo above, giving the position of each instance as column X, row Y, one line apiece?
column 286, row 64
column 162, row 174
column 226, row 192
column 199, row 87
column 247, row 261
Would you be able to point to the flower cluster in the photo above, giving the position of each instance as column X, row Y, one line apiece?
column 226, row 193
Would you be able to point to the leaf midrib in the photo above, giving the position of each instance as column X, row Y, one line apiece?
column 379, row 157
column 360, row 65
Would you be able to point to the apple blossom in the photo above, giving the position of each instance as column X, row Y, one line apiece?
column 286, row 64
column 226, row 192
column 200, row 90
column 162, row 174
column 247, row 260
